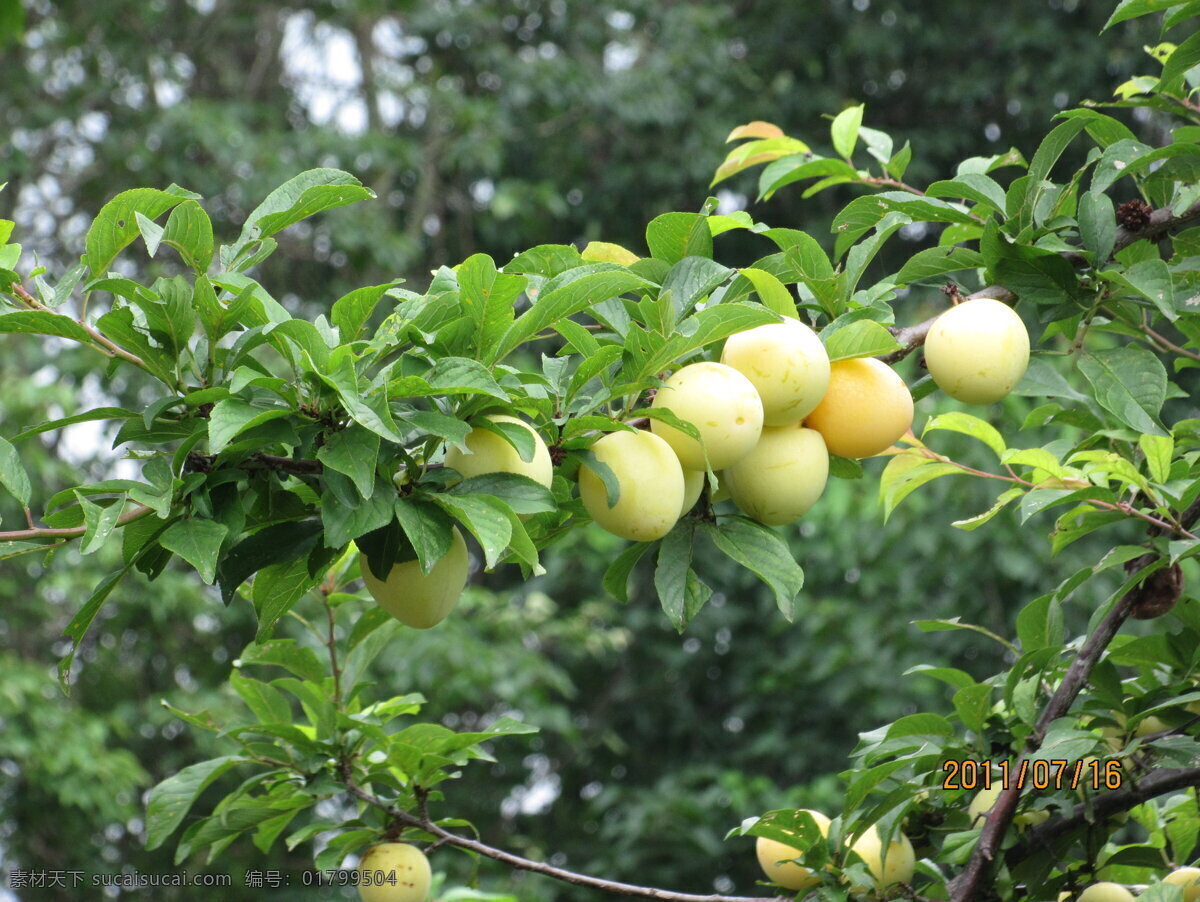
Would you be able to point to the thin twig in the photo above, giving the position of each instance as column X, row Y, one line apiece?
column 104, row 346
column 71, row 532
column 614, row 887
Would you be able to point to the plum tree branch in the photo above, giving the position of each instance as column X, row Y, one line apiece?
column 1160, row 221
column 102, row 344
column 1103, row 806
column 445, row 837
column 966, row 885
column 70, row 532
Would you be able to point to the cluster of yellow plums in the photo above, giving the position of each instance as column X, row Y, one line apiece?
column 768, row 416
column 1187, row 879
column 779, row 860
column 896, row 866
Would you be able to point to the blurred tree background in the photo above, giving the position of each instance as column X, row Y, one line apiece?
column 493, row 126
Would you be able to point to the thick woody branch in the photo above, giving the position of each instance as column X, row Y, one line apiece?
column 203, row 463
column 973, row 878
column 967, row 884
column 614, row 887
column 1105, row 806
column 1159, row 223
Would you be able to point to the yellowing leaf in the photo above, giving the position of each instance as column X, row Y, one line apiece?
column 604, row 252
column 755, row 129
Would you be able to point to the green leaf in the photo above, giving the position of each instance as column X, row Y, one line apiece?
column 116, row 224
column 844, row 130
column 171, row 799
column 480, row 515
column 276, row 588
column 589, row 285
column 78, row 627
column 189, row 231
column 1040, row 624
column 1149, row 279
column 1182, row 59
column 1132, row 9
column 43, row 322
column 937, row 261
column 353, row 452
column 973, row 704
column 671, row 572
column 1097, row 225
column 972, row 186
column 487, row 297
column 673, row 236
column 99, row 413
column 99, row 522
column 285, row 653
column 427, row 528
column 761, row 551
column 231, row 417
column 197, row 541
column 522, row 494
column 979, row 519
column 12, row 474
column 956, row 421
column 861, row 338
column 345, row 516
column 1158, row 450
column 351, row 311
column 273, row 544
column 298, row 198
column 907, row 472
column 616, row 576
column 1130, row 383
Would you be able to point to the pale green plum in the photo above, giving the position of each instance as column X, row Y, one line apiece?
column 977, row 351
column 421, row 600
column 985, row 799
column 651, row 486
column 782, row 476
column 901, row 860
column 1188, row 879
column 408, row 864
column 775, row 859
column 721, row 403
column 1105, row 892
column 787, row 364
column 491, row 453
column 693, row 485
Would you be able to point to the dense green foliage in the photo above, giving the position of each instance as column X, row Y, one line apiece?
column 604, row 683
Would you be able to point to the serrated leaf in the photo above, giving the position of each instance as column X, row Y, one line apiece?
column 616, row 576
column 171, row 799
column 671, row 573
column 12, row 474
column 861, row 338
column 1130, row 383
column 197, row 541
column 117, row 224
column 1097, row 225
column 480, row 515
column 761, row 551
column 353, row 452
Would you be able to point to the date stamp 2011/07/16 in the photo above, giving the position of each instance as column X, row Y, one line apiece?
column 1043, row 773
